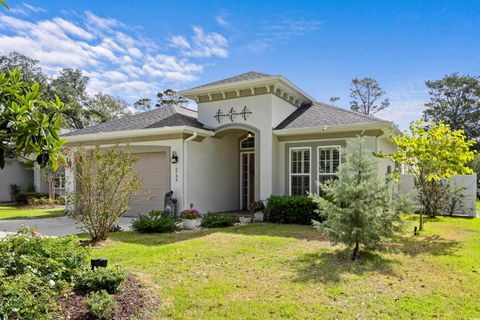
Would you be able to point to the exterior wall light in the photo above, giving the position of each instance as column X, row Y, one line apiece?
column 250, row 135
column 174, row 157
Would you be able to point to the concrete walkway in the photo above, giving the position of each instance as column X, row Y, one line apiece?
column 59, row 226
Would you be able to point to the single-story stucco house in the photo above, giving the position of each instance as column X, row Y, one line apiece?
column 254, row 135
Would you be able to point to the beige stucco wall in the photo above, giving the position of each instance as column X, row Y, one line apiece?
column 14, row 172
column 371, row 142
column 213, row 174
column 267, row 112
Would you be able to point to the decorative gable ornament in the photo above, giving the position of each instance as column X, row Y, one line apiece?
column 232, row 114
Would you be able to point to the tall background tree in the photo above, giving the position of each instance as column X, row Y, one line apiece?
column 455, row 100
column 366, row 96
column 166, row 98
column 70, row 85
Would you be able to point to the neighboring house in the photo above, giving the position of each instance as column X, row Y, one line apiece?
column 254, row 135
column 15, row 172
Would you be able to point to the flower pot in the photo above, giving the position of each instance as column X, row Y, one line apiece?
column 244, row 220
column 189, row 224
column 258, row 216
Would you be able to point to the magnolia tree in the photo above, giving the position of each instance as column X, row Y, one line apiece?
column 107, row 181
column 432, row 153
column 360, row 207
column 29, row 126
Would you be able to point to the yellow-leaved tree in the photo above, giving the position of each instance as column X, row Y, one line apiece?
column 432, row 153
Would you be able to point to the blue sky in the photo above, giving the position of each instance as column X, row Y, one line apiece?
column 136, row 48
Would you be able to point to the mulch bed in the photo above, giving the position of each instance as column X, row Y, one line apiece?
column 131, row 300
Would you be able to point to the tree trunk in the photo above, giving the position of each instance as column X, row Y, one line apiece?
column 355, row 251
column 421, row 221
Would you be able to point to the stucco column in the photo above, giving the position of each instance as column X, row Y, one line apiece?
column 266, row 167
column 70, row 184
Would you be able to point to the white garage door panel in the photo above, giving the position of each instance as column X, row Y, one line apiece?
column 153, row 169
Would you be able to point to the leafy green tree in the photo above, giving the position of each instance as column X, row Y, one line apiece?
column 28, row 124
column 432, row 153
column 29, row 69
column 71, row 87
column 104, row 107
column 366, row 94
column 455, row 100
column 107, row 181
column 143, row 104
column 166, row 98
column 360, row 207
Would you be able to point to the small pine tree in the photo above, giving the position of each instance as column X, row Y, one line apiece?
column 360, row 208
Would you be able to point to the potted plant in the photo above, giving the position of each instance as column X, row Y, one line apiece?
column 189, row 218
column 256, row 208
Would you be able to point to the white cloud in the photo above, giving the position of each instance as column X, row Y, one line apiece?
column 24, row 9
column 407, row 103
column 222, row 20
column 114, row 56
column 280, row 31
column 201, row 45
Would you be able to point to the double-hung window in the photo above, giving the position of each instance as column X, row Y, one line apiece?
column 300, row 170
column 328, row 162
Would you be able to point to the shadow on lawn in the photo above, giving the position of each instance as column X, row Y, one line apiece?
column 329, row 266
column 431, row 244
column 256, row 229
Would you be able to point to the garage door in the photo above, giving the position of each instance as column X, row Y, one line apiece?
column 154, row 171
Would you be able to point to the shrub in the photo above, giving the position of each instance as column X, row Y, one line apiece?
column 101, row 305
column 98, row 279
column 291, row 209
column 190, row 214
column 218, row 220
column 27, row 296
column 154, row 221
column 107, row 182
column 29, row 197
column 34, row 271
column 57, row 259
column 256, row 206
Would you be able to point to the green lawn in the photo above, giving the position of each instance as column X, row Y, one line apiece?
column 266, row 271
column 14, row 212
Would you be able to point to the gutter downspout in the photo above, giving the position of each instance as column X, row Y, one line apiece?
column 195, row 134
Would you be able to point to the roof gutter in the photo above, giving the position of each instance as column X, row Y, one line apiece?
column 137, row 133
column 328, row 129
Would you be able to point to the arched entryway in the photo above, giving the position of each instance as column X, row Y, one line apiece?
column 248, row 161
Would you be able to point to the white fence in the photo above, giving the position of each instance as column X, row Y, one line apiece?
column 467, row 207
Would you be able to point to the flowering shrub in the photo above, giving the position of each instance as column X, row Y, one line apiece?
column 190, row 214
column 34, row 271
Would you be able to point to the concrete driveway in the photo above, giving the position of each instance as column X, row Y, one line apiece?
column 59, row 226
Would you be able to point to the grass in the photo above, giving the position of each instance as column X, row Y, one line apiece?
column 19, row 213
column 267, row 271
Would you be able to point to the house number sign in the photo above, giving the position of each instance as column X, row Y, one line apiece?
column 232, row 114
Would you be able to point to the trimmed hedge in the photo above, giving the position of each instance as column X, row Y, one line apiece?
column 291, row 209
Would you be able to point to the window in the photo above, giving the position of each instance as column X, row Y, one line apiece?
column 60, row 181
column 247, row 143
column 300, row 168
column 328, row 162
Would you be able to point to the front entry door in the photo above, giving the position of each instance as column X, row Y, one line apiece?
column 247, row 179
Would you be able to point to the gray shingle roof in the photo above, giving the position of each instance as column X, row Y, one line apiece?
column 320, row 115
column 170, row 116
column 241, row 77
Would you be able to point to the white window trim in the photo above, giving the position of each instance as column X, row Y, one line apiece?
column 251, row 148
column 290, row 174
column 318, row 163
